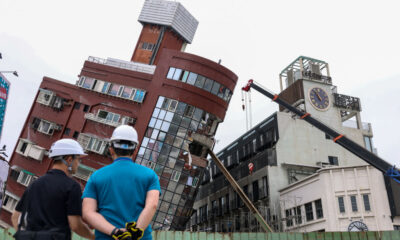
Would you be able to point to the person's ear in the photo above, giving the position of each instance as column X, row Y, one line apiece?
column 70, row 159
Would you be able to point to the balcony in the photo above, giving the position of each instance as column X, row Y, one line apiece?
column 133, row 66
column 95, row 118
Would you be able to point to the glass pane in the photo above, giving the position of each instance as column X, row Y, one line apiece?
column 193, row 125
column 171, row 162
column 158, row 124
column 113, row 89
column 160, row 102
column 208, row 84
column 163, row 182
column 173, row 129
column 178, row 142
column 181, row 132
column 172, row 186
column 192, row 78
column 185, row 76
column 174, row 152
column 200, row 81
column 116, row 118
column 169, row 116
column 164, row 206
column 165, row 149
column 181, row 108
column 197, row 114
column 176, row 198
column 215, row 88
column 162, row 159
column 102, row 114
column 177, row 74
column 185, row 122
column 88, row 83
column 154, row 134
column 179, row 188
column 165, row 126
column 221, row 91
column 105, row 87
column 167, row 173
column 176, row 119
column 171, row 72
column 152, row 122
column 168, row 196
column 158, row 146
column 162, row 114
column 126, row 93
column 161, row 136
column 156, row 112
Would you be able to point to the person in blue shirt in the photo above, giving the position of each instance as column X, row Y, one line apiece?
column 120, row 199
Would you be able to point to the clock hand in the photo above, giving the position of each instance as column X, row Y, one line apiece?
column 319, row 97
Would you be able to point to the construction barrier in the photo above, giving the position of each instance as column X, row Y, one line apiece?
column 6, row 234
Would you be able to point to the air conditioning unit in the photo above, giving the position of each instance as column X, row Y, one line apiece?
column 45, row 97
column 36, row 152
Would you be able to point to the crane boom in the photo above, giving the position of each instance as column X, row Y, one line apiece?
column 338, row 138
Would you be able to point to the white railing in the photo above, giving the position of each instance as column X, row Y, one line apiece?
column 133, row 66
column 353, row 124
column 95, row 118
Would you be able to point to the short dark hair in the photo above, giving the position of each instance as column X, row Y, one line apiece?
column 123, row 152
column 58, row 159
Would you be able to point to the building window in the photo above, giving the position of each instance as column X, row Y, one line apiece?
column 67, row 131
column 86, row 108
column 341, row 205
column 396, row 227
column 22, row 148
column 108, row 116
column 148, row 46
column 77, row 105
column 309, row 212
column 368, row 143
column 353, row 200
column 298, row 215
column 84, row 172
column 75, row 135
column 367, row 205
column 333, row 160
column 289, row 220
column 25, row 178
column 10, row 201
column 318, row 209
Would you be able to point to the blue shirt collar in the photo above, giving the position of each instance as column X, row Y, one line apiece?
column 123, row 159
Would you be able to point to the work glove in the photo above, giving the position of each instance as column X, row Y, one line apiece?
column 137, row 233
column 122, row 235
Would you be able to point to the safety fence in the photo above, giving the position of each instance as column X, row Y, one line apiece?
column 6, row 234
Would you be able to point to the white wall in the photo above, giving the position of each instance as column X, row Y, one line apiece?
column 330, row 183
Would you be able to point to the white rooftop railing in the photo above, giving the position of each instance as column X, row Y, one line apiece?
column 133, row 66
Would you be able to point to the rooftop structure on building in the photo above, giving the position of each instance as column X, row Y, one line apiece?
column 175, row 100
column 283, row 149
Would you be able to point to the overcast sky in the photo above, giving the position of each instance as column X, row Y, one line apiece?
column 255, row 39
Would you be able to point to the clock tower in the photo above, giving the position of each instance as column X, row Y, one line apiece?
column 306, row 84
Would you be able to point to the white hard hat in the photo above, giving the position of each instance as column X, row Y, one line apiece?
column 64, row 147
column 126, row 133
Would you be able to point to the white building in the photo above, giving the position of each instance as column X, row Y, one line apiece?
column 337, row 199
column 284, row 149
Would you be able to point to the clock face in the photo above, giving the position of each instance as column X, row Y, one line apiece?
column 357, row 226
column 319, row 98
